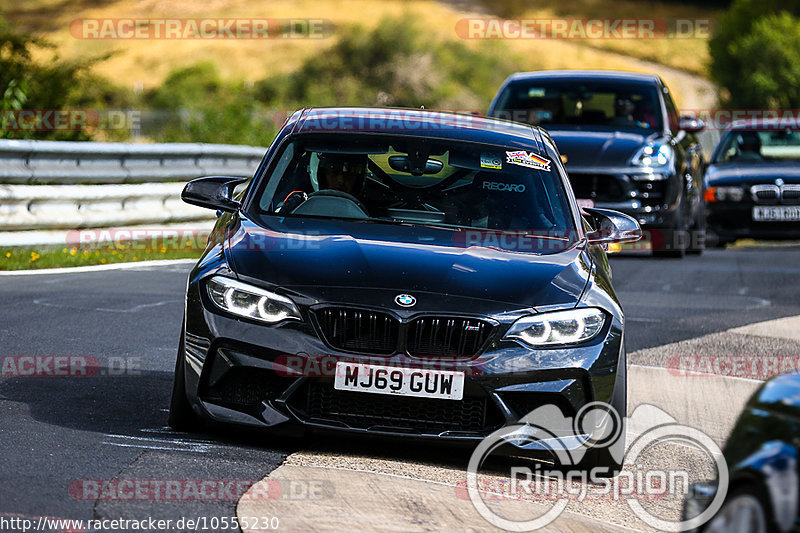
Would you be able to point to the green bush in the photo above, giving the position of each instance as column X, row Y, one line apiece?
column 755, row 54
column 196, row 105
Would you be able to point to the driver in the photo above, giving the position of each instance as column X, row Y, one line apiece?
column 345, row 173
column 749, row 147
column 342, row 172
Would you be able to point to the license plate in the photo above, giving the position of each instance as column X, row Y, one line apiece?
column 776, row 213
column 376, row 379
column 585, row 202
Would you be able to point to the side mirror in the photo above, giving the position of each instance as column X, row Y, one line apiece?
column 213, row 192
column 612, row 227
column 691, row 124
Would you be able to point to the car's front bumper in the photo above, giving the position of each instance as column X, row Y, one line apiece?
column 652, row 199
column 281, row 377
column 732, row 221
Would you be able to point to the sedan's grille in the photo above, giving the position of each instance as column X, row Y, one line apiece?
column 765, row 194
column 791, row 194
column 453, row 337
column 357, row 330
column 321, row 403
column 375, row 333
column 598, row 187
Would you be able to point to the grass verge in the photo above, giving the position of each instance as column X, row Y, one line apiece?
column 39, row 257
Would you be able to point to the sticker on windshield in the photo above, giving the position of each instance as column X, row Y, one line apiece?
column 491, row 161
column 528, row 159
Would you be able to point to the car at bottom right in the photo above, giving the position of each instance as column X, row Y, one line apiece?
column 762, row 455
column 752, row 185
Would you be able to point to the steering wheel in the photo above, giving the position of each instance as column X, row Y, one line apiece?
column 333, row 193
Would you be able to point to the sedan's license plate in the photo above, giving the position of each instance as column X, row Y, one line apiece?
column 424, row 383
column 776, row 213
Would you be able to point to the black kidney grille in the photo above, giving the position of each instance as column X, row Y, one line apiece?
column 446, row 336
column 326, row 405
column 358, row 330
column 375, row 333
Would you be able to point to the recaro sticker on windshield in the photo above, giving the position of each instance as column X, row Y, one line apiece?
column 528, row 159
column 491, row 161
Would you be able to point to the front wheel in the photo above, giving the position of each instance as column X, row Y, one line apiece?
column 674, row 244
column 181, row 415
column 697, row 237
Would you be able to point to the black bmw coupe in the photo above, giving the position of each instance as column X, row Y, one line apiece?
column 400, row 272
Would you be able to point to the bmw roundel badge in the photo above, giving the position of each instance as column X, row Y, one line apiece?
column 405, row 300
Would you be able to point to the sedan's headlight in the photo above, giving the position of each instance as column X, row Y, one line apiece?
column 723, row 194
column 653, row 155
column 252, row 302
column 559, row 327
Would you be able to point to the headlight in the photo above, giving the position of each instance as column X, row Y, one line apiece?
column 723, row 194
column 653, row 156
column 245, row 300
column 559, row 327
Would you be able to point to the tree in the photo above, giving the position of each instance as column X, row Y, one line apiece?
column 25, row 83
column 755, row 54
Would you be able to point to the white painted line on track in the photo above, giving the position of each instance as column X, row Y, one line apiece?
column 98, row 268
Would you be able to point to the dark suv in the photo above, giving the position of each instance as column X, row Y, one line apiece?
column 624, row 144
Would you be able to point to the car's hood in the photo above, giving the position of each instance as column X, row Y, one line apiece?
column 322, row 256
column 789, row 172
column 599, row 148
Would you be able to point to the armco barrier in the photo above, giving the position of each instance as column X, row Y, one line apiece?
column 147, row 178
column 24, row 207
column 60, row 163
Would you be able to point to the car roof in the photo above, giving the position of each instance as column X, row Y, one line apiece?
column 421, row 123
column 594, row 75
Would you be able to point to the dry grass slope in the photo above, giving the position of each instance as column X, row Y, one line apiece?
column 145, row 63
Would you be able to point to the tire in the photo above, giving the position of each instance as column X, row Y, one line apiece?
column 697, row 237
column 744, row 503
column 181, row 415
column 672, row 236
column 606, row 457
column 675, row 237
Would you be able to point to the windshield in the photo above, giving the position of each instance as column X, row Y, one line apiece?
column 571, row 104
column 417, row 181
column 752, row 146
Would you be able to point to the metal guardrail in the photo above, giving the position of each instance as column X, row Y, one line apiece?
column 54, row 162
column 147, row 181
column 26, row 207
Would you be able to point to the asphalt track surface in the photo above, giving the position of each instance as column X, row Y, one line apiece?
column 57, row 431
